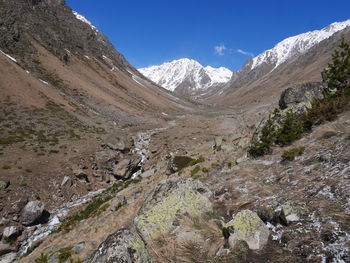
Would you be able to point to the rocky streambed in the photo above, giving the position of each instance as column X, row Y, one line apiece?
column 33, row 235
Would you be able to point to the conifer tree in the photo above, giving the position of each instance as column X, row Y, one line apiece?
column 337, row 74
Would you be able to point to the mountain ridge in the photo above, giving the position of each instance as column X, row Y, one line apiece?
column 191, row 83
column 185, row 74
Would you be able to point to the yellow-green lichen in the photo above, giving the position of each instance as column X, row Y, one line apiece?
column 160, row 213
column 244, row 223
column 288, row 208
column 140, row 251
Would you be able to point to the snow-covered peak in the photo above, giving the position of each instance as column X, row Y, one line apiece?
column 84, row 19
column 186, row 73
column 296, row 45
column 218, row 75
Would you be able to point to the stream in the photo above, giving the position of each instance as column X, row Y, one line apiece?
column 141, row 145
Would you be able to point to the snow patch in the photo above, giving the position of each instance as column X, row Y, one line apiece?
column 43, row 81
column 83, row 19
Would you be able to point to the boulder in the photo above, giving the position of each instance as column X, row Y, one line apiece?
column 148, row 173
column 289, row 212
column 4, row 221
column 105, row 159
column 125, row 168
column 80, row 174
column 170, row 200
column 66, row 181
column 121, row 168
column 248, row 227
column 122, row 246
column 4, row 184
column 114, row 143
column 5, row 248
column 11, row 231
column 31, row 212
column 300, row 96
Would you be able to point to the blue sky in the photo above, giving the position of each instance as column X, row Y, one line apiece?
column 150, row 32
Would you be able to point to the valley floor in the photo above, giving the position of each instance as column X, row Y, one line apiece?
column 315, row 186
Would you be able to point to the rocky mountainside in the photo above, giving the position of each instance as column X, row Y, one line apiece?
column 295, row 60
column 295, row 46
column 70, row 109
column 186, row 76
column 100, row 164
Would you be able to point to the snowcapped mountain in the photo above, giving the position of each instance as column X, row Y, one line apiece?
column 85, row 20
column 296, row 45
column 186, row 75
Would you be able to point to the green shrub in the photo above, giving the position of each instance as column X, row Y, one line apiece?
column 197, row 161
column 195, row 170
column 43, row 259
column 64, row 254
column 290, row 129
column 284, row 129
column 182, row 161
column 91, row 209
column 289, row 155
column 326, row 109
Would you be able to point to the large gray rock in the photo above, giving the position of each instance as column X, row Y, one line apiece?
column 247, row 226
column 170, row 200
column 105, row 159
column 121, row 247
column 31, row 212
column 126, row 167
column 300, row 96
column 121, row 168
column 5, row 248
column 114, row 143
column 11, row 231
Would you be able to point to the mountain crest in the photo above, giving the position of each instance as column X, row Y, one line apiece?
column 186, row 75
column 296, row 45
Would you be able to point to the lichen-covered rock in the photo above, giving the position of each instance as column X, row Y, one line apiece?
column 248, row 226
column 31, row 212
column 171, row 199
column 300, row 96
column 4, row 184
column 121, row 247
column 290, row 212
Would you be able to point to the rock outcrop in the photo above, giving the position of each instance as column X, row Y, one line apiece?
column 121, row 247
column 248, row 227
column 171, row 199
column 300, row 96
column 31, row 212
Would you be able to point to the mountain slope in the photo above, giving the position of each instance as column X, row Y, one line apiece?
column 65, row 91
column 296, row 45
column 295, row 60
column 186, row 76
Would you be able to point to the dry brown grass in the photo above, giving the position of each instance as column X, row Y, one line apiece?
column 169, row 248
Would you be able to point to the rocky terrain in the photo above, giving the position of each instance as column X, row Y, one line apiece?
column 99, row 164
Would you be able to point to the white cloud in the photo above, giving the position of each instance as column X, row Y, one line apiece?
column 220, row 50
column 246, row 53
